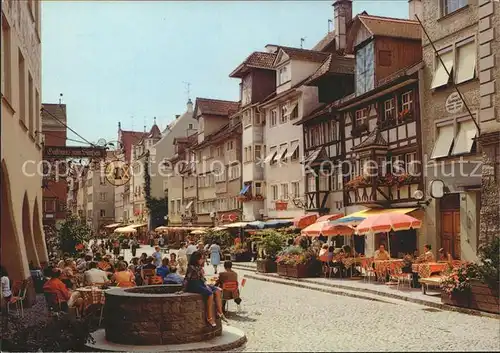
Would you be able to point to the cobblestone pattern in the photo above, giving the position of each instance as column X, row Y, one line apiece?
column 276, row 317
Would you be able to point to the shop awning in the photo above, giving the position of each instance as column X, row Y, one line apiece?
column 281, row 153
column 235, row 225
column 188, row 206
column 293, row 148
column 245, row 189
column 278, row 223
column 270, row 156
column 304, row 220
column 137, row 225
column 114, row 225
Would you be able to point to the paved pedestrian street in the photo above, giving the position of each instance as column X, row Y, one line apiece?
column 277, row 317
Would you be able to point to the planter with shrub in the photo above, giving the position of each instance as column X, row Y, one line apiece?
column 299, row 262
column 270, row 245
column 240, row 253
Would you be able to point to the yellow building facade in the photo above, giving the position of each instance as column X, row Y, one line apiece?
column 22, row 237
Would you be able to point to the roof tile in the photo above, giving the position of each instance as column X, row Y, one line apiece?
column 216, row 107
column 305, row 54
column 391, row 27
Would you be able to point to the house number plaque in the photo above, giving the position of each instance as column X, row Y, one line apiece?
column 454, row 104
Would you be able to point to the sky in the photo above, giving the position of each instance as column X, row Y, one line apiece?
column 128, row 61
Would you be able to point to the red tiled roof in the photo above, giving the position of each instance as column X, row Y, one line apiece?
column 335, row 64
column 305, row 54
column 129, row 138
column 257, row 59
column 325, row 42
column 216, row 107
column 391, row 27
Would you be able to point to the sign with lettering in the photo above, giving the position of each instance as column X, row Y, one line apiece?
column 454, row 104
column 117, row 173
column 73, row 152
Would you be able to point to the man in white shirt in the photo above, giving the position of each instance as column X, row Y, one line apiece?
column 190, row 250
column 94, row 275
column 381, row 253
column 182, row 259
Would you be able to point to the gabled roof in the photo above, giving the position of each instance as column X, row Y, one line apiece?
column 374, row 139
column 258, row 60
column 129, row 138
column 155, row 132
column 274, row 96
column 326, row 42
column 302, row 55
column 335, row 64
column 222, row 134
column 209, row 106
column 391, row 27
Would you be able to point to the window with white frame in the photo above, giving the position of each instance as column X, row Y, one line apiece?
column 311, row 183
column 274, row 192
column 284, row 191
column 258, row 152
column 294, row 114
column 333, row 130
column 293, row 152
column 172, row 207
column 103, row 213
column 323, row 182
column 271, row 157
column 247, row 118
column 179, row 206
column 460, row 60
column 229, row 145
column 234, row 172
column 411, row 163
column 274, row 117
column 295, row 189
column 284, row 114
column 102, row 196
column 361, row 116
column 283, row 75
column 190, row 126
column 256, row 118
column 220, row 151
column 406, row 101
column 365, row 72
column 258, row 188
column 449, row 6
column 220, row 175
column 389, row 109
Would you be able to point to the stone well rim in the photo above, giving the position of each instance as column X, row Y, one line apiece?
column 130, row 293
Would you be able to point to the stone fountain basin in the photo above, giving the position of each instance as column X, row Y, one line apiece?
column 156, row 315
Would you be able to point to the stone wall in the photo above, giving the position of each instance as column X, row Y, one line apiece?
column 156, row 319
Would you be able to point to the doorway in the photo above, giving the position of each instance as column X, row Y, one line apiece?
column 450, row 224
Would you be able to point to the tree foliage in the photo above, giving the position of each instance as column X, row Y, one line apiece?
column 157, row 206
column 272, row 243
column 71, row 233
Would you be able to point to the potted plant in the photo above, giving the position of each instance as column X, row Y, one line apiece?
column 239, row 253
column 296, row 262
column 456, row 285
column 484, row 287
column 271, row 244
column 357, row 182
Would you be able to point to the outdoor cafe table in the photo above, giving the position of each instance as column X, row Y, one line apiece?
column 383, row 267
column 92, row 295
column 351, row 262
column 426, row 269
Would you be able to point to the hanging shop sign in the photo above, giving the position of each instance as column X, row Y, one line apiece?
column 73, row 152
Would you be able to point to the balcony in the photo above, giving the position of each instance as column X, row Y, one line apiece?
column 381, row 190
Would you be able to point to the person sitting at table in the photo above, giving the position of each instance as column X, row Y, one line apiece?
column 228, row 276
column 330, row 253
column 56, row 288
column 195, row 282
column 148, row 265
column 323, row 251
column 443, row 256
column 84, row 265
column 164, row 269
column 173, row 260
column 95, row 275
column 427, row 256
column 67, row 274
column 173, row 277
column 381, row 253
column 123, row 277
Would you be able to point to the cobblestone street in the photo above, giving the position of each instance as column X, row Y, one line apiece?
column 281, row 318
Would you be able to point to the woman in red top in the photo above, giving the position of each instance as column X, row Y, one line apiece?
column 56, row 288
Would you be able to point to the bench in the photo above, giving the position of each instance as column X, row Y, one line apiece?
column 433, row 281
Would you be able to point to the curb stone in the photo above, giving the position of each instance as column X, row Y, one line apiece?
column 328, row 288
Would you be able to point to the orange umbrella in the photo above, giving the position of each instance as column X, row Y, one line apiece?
column 327, row 228
column 386, row 222
column 304, row 220
column 330, row 217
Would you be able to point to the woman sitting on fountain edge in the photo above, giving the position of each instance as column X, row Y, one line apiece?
column 195, row 282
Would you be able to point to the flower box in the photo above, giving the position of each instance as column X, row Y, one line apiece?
column 461, row 299
column 298, row 271
column 484, row 298
column 266, row 266
column 241, row 257
column 281, row 269
column 281, row 205
column 357, row 131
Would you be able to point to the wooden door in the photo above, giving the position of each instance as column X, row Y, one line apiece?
column 450, row 233
column 456, row 235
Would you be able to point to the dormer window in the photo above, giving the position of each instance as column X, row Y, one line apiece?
column 283, row 75
column 365, row 69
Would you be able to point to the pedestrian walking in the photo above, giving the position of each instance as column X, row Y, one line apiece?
column 215, row 255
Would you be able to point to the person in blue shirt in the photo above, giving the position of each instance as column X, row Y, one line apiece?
column 157, row 256
column 163, row 270
column 173, row 277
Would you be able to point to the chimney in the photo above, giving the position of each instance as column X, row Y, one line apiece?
column 415, row 8
column 342, row 15
column 177, row 116
column 271, row 48
column 119, row 126
column 189, row 106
